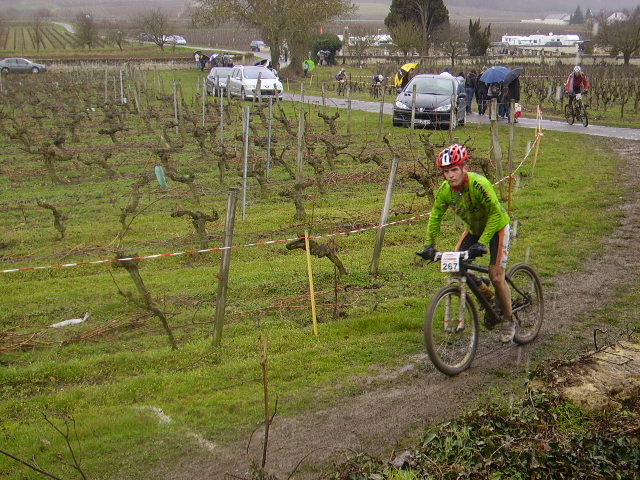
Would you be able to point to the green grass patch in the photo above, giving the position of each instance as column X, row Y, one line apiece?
column 111, row 371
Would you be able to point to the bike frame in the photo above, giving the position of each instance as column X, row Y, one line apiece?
column 465, row 278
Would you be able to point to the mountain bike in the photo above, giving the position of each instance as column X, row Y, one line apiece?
column 451, row 326
column 576, row 110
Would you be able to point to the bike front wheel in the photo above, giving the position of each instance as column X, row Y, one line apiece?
column 585, row 117
column 568, row 114
column 451, row 339
column 527, row 302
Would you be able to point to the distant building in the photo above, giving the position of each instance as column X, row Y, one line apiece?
column 617, row 17
column 552, row 19
column 550, row 40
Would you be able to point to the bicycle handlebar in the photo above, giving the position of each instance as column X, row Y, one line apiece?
column 464, row 256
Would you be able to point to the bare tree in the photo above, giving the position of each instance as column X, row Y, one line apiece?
column 86, row 29
column 621, row 36
column 406, row 37
column 38, row 35
column 154, row 24
column 452, row 40
column 278, row 21
column 116, row 37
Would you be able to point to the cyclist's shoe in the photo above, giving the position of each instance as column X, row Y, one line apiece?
column 507, row 330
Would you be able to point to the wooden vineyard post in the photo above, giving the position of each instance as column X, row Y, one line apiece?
column 349, row 110
column 223, row 278
column 373, row 269
column 512, row 107
column 245, row 159
column 269, row 131
column 495, row 144
column 221, row 117
column 312, row 293
column 538, row 138
column 264, row 363
column 121, row 89
column 413, row 108
column 204, row 99
column 381, row 115
column 175, row 106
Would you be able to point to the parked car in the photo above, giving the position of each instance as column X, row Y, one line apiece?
column 217, row 80
column 21, row 65
column 244, row 79
column 439, row 98
column 175, row 40
column 256, row 45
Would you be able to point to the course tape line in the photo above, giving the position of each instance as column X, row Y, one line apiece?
column 268, row 242
column 206, row 250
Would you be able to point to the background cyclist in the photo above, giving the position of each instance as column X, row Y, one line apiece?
column 577, row 82
column 473, row 199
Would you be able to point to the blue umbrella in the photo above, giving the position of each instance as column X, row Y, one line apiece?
column 494, row 74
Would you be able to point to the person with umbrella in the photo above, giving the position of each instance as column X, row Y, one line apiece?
column 511, row 89
column 494, row 78
column 403, row 74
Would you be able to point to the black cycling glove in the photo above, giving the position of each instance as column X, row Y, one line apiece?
column 477, row 250
column 428, row 252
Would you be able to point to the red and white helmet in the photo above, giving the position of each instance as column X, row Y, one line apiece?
column 452, row 156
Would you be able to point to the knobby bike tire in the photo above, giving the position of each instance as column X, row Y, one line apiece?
column 451, row 351
column 528, row 302
column 585, row 117
column 568, row 115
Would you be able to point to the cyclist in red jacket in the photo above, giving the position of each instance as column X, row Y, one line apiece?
column 577, row 82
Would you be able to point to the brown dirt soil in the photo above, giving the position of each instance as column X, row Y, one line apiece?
column 416, row 395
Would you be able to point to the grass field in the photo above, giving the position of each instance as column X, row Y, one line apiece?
column 110, row 372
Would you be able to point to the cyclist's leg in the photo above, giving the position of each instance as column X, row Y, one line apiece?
column 499, row 251
column 465, row 241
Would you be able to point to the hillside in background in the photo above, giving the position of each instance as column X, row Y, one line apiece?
column 499, row 9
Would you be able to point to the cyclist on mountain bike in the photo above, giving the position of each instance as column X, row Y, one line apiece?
column 474, row 200
column 577, row 82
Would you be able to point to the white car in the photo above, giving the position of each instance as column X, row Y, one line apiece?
column 175, row 40
column 244, row 79
column 217, row 79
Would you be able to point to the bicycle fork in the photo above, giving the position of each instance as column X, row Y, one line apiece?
column 448, row 320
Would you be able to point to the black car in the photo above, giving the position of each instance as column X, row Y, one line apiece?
column 438, row 99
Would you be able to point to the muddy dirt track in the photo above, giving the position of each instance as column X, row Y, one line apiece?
column 417, row 395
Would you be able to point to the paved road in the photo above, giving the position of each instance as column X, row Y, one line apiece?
column 562, row 126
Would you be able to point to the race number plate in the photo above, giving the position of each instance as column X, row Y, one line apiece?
column 450, row 262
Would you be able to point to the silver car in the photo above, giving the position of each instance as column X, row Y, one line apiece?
column 243, row 82
column 217, row 80
column 21, row 65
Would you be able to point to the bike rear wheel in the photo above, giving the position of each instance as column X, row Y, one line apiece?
column 527, row 301
column 568, row 114
column 451, row 344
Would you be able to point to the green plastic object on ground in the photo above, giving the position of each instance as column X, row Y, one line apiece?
column 162, row 180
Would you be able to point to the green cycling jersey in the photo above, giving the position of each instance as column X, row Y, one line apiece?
column 476, row 204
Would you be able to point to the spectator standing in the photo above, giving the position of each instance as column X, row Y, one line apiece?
column 203, row 62
column 196, row 57
column 511, row 92
column 470, row 85
column 481, row 94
